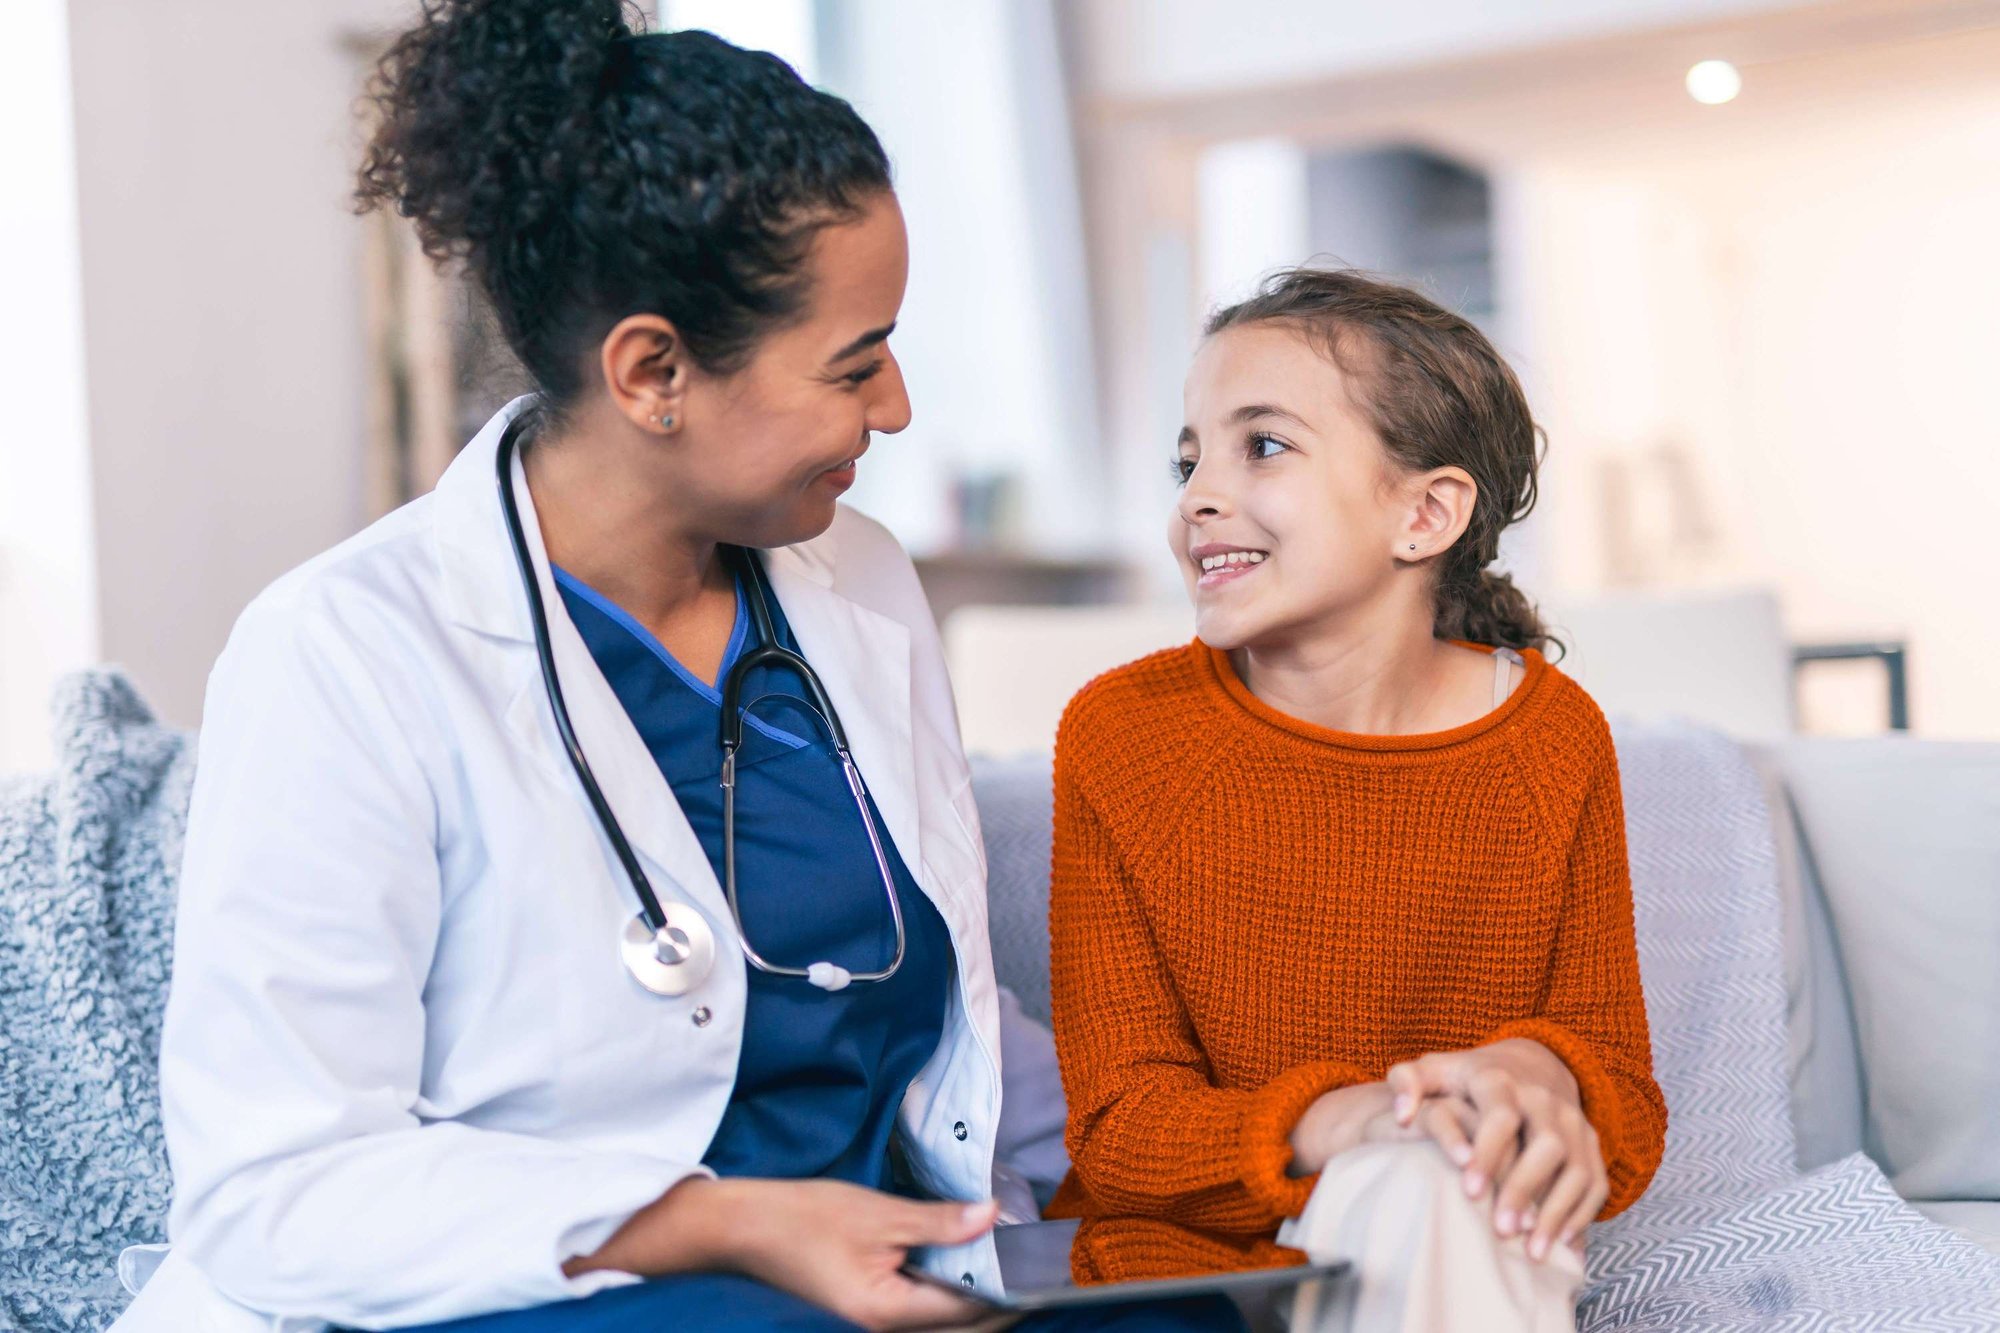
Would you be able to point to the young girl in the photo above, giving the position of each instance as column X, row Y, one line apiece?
column 1350, row 866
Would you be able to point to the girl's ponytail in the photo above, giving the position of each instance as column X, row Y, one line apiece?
column 1488, row 608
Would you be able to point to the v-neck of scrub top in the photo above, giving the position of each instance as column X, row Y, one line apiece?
column 822, row 1074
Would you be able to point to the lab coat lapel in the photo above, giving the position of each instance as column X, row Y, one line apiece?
column 625, row 769
column 863, row 659
column 490, row 594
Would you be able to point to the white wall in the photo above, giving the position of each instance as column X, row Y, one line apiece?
column 1870, row 286
column 994, row 340
column 1162, row 48
column 48, row 593
column 215, row 146
column 1803, row 300
column 1254, row 217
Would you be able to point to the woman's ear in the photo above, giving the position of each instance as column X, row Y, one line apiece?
column 646, row 369
column 1439, row 509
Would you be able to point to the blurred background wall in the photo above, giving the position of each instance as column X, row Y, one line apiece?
column 221, row 362
column 1759, row 332
column 48, row 587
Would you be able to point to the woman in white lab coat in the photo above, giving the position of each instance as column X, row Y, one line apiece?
column 417, row 1068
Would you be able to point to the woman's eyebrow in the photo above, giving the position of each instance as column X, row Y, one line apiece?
column 865, row 341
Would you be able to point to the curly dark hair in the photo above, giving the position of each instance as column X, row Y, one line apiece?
column 586, row 171
column 1438, row 395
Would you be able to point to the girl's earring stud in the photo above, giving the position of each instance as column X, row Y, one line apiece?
column 1413, row 546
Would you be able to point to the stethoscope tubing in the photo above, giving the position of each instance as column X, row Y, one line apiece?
column 649, row 903
column 767, row 652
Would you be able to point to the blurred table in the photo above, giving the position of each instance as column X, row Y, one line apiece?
column 1000, row 578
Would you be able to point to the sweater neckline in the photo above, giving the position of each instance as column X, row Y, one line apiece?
column 1223, row 679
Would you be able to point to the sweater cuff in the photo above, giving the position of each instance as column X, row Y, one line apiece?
column 1264, row 1142
column 1596, row 1089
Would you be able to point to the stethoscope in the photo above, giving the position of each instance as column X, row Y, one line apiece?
column 669, row 948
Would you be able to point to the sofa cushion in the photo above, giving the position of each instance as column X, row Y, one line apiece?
column 1978, row 1220
column 1825, row 1068
column 1017, row 816
column 1904, row 836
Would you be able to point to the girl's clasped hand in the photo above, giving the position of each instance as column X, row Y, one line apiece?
column 1508, row 1115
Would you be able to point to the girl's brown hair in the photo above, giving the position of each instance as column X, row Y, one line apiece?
column 1438, row 395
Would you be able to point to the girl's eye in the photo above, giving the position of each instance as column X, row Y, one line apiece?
column 863, row 375
column 1266, row 446
column 1182, row 468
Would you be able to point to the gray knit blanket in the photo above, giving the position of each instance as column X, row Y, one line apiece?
column 88, row 859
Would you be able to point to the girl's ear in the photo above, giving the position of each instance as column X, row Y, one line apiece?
column 1439, row 510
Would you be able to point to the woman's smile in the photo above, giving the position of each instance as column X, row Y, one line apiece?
column 839, row 478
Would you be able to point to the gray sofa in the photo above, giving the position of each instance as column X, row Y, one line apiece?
column 1819, row 924
column 1817, row 932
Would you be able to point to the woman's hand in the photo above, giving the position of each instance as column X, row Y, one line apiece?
column 1529, row 1140
column 836, row 1245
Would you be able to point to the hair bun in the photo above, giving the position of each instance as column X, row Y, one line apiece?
column 585, row 177
column 488, row 111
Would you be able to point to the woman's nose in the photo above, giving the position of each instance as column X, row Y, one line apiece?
column 889, row 410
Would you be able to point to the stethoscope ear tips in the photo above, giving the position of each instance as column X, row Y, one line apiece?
column 829, row 976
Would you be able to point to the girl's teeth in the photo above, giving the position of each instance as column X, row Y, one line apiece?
column 1213, row 562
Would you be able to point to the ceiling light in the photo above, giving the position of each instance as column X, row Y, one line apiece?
column 1713, row 82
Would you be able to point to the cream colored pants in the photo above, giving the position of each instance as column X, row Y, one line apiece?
column 1425, row 1257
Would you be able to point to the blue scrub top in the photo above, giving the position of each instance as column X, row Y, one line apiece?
column 822, row 1074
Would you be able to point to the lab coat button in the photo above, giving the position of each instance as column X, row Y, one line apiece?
column 966, row 1279
column 701, row 1017
column 958, row 1131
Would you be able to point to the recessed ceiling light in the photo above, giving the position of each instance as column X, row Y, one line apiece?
column 1713, row 82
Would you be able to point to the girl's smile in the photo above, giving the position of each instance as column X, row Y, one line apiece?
column 1221, row 563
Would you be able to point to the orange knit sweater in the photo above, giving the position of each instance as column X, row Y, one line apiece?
column 1248, row 910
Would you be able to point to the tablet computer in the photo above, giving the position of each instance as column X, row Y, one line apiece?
column 1035, row 1275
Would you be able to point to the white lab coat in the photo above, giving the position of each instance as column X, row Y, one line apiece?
column 404, row 1074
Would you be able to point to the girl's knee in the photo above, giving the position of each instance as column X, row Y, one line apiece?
column 1406, row 1186
column 1410, row 1169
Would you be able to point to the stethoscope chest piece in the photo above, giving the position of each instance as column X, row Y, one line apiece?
column 674, row 959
